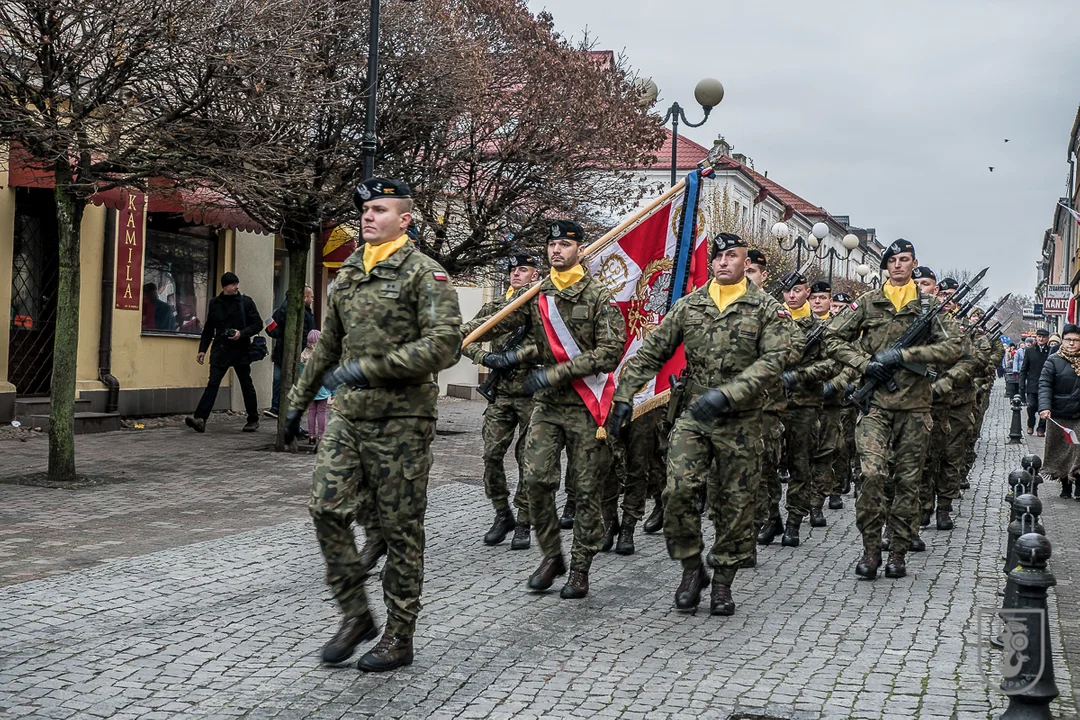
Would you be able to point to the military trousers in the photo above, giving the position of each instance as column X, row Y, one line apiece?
column 769, row 489
column 501, row 419
column 723, row 455
column 551, row 429
column 934, row 466
column 639, row 464
column 379, row 468
column 824, row 460
column 802, row 433
column 902, row 437
column 845, row 450
column 960, row 440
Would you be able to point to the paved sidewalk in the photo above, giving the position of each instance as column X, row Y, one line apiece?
column 231, row 626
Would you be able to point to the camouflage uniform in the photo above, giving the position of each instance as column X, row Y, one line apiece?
column 957, row 388
column 741, row 351
column 638, row 467
column 510, row 411
column 769, row 489
column 832, row 461
column 991, row 352
column 401, row 322
column 560, row 418
column 898, row 425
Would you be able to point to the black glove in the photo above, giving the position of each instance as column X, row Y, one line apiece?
column 502, row 360
column 618, row 422
column 292, row 425
column 789, row 379
column 889, row 358
column 878, row 371
column 348, row 374
column 537, row 380
column 709, row 405
column 830, row 390
column 850, row 389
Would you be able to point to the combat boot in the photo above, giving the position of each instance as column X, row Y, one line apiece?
column 374, row 548
column 791, row 531
column 836, row 502
column 721, row 603
column 868, row 564
column 522, row 537
column 611, row 531
column 964, row 484
column 391, row 652
column 655, row 521
column 353, row 631
column 847, row 485
column 625, row 545
column 550, row 568
column 504, row 523
column 769, row 530
column 924, row 521
column 785, row 475
column 896, row 567
column 886, row 538
column 817, row 518
column 577, row 585
column 944, row 519
column 917, row 544
column 566, row 522
column 1066, row 489
column 688, row 594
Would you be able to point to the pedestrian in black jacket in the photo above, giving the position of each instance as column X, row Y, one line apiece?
column 278, row 333
column 1030, row 371
column 231, row 321
column 1059, row 402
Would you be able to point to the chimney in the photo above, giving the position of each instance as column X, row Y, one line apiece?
column 740, row 158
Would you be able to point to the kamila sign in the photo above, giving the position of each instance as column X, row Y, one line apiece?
column 129, row 252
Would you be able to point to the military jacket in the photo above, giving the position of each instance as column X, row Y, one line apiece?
column 958, row 381
column 401, row 322
column 812, row 369
column 593, row 320
column 741, row 350
column 872, row 325
column 510, row 386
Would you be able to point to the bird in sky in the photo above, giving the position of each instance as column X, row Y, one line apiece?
column 991, row 168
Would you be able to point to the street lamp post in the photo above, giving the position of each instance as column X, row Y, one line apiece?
column 862, row 271
column 781, row 232
column 708, row 93
column 369, row 142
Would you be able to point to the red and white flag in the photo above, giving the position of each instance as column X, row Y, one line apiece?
column 595, row 391
column 1074, row 213
column 1070, row 435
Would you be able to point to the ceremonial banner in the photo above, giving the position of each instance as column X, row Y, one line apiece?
column 595, row 391
column 648, row 268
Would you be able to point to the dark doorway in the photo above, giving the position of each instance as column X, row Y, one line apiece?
column 34, row 278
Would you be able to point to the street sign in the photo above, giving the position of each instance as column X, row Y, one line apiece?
column 1038, row 309
column 1055, row 305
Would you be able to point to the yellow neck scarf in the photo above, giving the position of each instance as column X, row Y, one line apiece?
column 724, row 295
column 375, row 254
column 800, row 312
column 826, row 316
column 900, row 296
column 563, row 279
column 509, row 292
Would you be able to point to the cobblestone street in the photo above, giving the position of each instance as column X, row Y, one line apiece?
column 196, row 590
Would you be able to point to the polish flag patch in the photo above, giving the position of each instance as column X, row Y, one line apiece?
column 439, row 275
column 854, row 306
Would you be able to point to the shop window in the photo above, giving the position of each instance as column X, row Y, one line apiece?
column 179, row 275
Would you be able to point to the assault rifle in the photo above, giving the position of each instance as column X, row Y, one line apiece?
column 788, row 281
column 489, row 388
column 989, row 315
column 962, row 312
column 816, row 334
column 916, row 334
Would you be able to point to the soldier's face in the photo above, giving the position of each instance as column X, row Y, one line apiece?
column 729, row 266
column 522, row 275
column 796, row 296
column 563, row 253
column 384, row 220
column 757, row 274
column 900, row 267
column 927, row 286
column 820, row 303
column 837, row 307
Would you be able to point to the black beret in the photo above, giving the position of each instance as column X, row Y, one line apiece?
column 923, row 272
column 797, row 278
column 1043, row 331
column 377, row 188
column 898, row 246
column 843, row 298
column 523, row 260
column 821, row 287
column 756, row 257
column 947, row 284
column 565, row 229
column 726, row 241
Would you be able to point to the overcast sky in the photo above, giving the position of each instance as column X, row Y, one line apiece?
column 891, row 114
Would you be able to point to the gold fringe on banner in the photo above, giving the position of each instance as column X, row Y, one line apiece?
column 658, row 400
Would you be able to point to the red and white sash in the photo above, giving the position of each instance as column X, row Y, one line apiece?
column 596, row 391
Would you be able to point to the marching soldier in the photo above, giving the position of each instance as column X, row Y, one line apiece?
column 508, row 411
column 898, row 424
column 578, row 335
column 639, row 458
column 736, row 344
column 846, row 466
column 392, row 322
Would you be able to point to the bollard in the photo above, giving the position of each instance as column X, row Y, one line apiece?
column 1033, row 464
column 1020, row 482
column 1028, row 508
column 1016, row 434
column 1028, row 664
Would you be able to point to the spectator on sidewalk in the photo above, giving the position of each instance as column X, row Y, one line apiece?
column 1059, row 403
column 1055, row 343
column 317, row 409
column 1030, row 370
column 231, row 321
column 278, row 334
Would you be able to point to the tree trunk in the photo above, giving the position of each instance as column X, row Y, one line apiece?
column 69, row 213
column 298, row 242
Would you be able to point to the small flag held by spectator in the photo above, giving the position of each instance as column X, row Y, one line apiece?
column 1070, row 435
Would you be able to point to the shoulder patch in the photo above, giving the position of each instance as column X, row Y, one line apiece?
column 854, row 306
column 439, row 275
column 781, row 312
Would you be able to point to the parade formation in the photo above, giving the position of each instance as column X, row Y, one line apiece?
column 881, row 396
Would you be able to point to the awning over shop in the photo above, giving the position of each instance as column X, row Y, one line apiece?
column 338, row 244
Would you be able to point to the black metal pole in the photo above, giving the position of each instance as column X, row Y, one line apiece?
column 830, row 266
column 370, row 142
column 675, row 110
